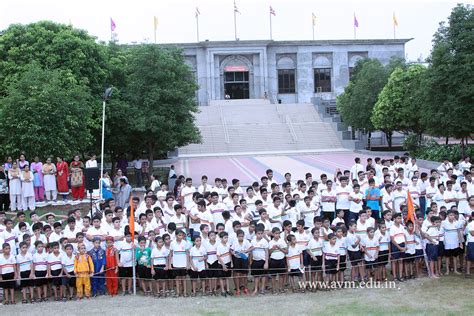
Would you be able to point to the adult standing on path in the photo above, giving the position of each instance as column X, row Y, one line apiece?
column 38, row 182
column 77, row 178
column 62, row 177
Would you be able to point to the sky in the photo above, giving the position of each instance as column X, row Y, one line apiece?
column 417, row 19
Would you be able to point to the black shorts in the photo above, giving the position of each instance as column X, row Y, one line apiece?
column 355, row 257
column 160, row 272
column 330, row 266
column 277, row 266
column 419, row 254
column 213, row 270
column 316, row 265
column 55, row 280
column 240, row 265
column 180, row 272
column 342, row 263
column 396, row 253
column 125, row 272
column 295, row 273
column 257, row 268
column 69, row 281
column 382, row 258
column 432, row 252
column 197, row 274
column 225, row 274
column 143, row 272
column 370, row 264
column 40, row 278
column 470, row 251
column 451, row 252
column 8, row 281
column 26, row 281
column 409, row 257
column 441, row 249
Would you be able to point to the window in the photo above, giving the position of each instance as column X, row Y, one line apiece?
column 286, row 81
column 351, row 72
column 322, row 80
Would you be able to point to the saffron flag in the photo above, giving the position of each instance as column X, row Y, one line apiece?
column 155, row 22
column 395, row 22
column 112, row 25
column 272, row 12
column 197, row 12
column 235, row 8
column 313, row 17
column 356, row 23
column 411, row 208
column 131, row 223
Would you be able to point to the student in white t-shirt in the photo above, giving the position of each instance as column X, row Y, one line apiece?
column 179, row 258
column 8, row 273
column 470, row 246
column 356, row 201
column 277, row 249
column 259, row 261
column 187, row 193
column 24, row 261
column 198, row 256
column 452, row 230
column 343, row 193
column 294, row 261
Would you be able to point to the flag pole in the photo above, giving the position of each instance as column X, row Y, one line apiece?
column 313, row 29
column 154, row 27
column 394, row 34
column 235, row 21
column 271, row 35
column 134, row 274
column 197, row 27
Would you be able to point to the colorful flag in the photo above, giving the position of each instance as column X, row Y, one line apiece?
column 235, row 8
column 131, row 224
column 112, row 25
column 356, row 23
column 395, row 22
column 197, row 12
column 313, row 17
column 155, row 22
column 411, row 208
column 272, row 12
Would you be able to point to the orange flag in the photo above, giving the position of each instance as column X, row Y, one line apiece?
column 131, row 224
column 411, row 208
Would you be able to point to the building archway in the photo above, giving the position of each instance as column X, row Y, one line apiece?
column 236, row 74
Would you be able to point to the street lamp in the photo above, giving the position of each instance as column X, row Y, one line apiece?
column 105, row 97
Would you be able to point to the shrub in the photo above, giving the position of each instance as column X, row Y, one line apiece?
column 431, row 150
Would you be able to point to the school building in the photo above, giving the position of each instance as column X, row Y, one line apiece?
column 287, row 71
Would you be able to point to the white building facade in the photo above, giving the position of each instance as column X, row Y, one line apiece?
column 288, row 71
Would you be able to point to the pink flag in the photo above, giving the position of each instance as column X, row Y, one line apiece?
column 272, row 12
column 112, row 25
column 356, row 23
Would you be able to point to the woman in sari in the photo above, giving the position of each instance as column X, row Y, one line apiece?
column 49, row 174
column 27, row 189
column 62, row 176
column 38, row 184
column 77, row 178
column 15, row 187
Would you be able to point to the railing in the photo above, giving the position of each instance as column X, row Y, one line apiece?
column 291, row 128
column 224, row 125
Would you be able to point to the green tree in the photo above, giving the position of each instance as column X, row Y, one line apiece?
column 399, row 103
column 161, row 91
column 52, row 46
column 359, row 97
column 449, row 90
column 45, row 112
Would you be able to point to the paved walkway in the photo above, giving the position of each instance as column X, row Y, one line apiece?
column 250, row 169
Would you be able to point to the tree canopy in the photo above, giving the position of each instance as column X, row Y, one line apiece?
column 45, row 113
column 399, row 103
column 449, row 87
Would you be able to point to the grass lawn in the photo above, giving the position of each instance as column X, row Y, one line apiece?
column 451, row 295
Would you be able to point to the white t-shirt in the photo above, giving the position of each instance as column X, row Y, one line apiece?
column 470, row 228
column 315, row 247
column 342, row 195
column 8, row 264
column 451, row 236
column 54, row 261
column 351, row 240
column 328, row 206
column 179, row 251
column 259, row 247
column 223, row 252
column 198, row 257
column 302, row 239
column 356, row 206
column 371, row 247
column 410, row 243
column 68, row 263
column 187, row 194
column 216, row 211
column 277, row 254
column 294, row 257
column 159, row 257
column 342, row 245
column 399, row 198
column 384, row 240
column 40, row 260
column 361, row 229
column 275, row 215
column 398, row 233
column 24, row 262
column 125, row 253
column 179, row 221
column 331, row 252
column 211, row 251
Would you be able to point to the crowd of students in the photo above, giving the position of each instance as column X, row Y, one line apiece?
column 214, row 239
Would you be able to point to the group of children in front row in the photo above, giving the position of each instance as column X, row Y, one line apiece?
column 216, row 257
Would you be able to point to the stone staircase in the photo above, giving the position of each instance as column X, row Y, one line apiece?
column 248, row 127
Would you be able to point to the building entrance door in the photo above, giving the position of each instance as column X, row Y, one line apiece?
column 236, row 84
